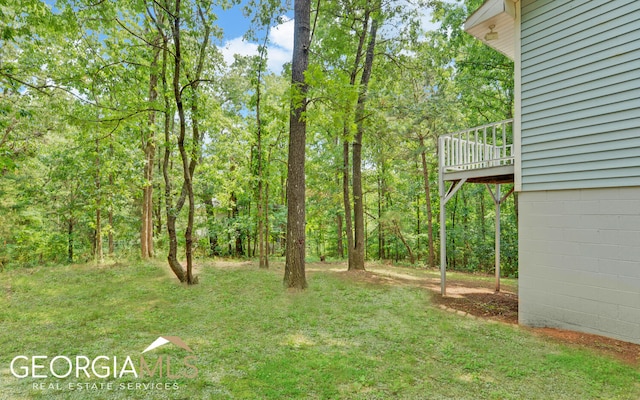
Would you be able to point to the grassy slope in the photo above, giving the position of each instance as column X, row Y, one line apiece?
column 338, row 339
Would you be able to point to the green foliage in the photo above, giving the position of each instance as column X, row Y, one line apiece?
column 75, row 112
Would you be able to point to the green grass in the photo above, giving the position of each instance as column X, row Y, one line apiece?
column 253, row 339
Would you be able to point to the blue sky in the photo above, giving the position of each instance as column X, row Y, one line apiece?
column 235, row 25
column 280, row 47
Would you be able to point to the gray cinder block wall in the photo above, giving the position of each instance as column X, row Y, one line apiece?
column 579, row 265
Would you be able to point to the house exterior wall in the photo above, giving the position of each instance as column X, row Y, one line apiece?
column 580, row 82
column 579, row 204
column 579, row 267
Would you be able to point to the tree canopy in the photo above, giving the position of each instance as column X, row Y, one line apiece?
column 124, row 133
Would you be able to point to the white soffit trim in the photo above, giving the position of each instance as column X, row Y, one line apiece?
column 501, row 14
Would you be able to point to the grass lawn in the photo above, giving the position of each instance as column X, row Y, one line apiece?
column 341, row 338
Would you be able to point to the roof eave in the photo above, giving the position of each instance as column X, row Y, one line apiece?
column 500, row 14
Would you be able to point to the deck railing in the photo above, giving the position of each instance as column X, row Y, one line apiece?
column 480, row 147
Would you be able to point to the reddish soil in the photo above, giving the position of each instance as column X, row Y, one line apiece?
column 501, row 306
column 478, row 298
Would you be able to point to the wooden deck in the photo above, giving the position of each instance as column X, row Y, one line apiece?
column 491, row 175
column 484, row 155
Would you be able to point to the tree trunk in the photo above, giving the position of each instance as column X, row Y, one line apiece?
column 483, row 225
column 263, row 261
column 98, row 238
column 186, row 173
column 112, row 246
column 427, row 196
column 465, row 228
column 266, row 224
column 453, row 258
column 380, row 229
column 294, row 274
column 70, row 240
column 346, row 144
column 412, row 258
column 149, row 148
column 358, row 200
column 418, row 226
column 210, row 209
column 247, row 232
column 157, row 217
column 235, row 213
column 339, row 233
column 346, row 198
column 188, row 163
column 172, row 256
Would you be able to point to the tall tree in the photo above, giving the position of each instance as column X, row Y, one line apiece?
column 294, row 273
column 356, row 262
column 149, row 148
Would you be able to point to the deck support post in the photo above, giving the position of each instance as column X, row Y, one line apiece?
column 497, row 203
column 497, row 200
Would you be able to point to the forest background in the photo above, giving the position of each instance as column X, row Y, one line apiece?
column 124, row 133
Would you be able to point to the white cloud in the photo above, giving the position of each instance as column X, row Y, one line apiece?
column 280, row 46
column 277, row 58
column 237, row 46
column 282, row 35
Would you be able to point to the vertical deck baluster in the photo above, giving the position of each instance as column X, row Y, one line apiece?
column 467, row 158
column 476, row 150
column 504, row 142
column 494, row 143
column 459, row 154
column 484, row 148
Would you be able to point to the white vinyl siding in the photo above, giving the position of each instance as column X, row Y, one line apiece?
column 580, row 94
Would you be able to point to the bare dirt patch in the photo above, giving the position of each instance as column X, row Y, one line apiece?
column 500, row 306
column 625, row 351
column 478, row 298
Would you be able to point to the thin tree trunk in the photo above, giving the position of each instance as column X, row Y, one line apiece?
column 263, row 261
column 345, row 148
column 412, row 258
column 248, row 233
column 158, row 209
column 110, row 208
column 453, row 230
column 70, row 240
column 418, row 226
column 358, row 200
column 347, row 200
column 465, row 228
column 266, row 224
column 188, row 165
column 483, row 227
column 427, row 196
column 380, row 230
column 98, row 238
column 112, row 246
column 172, row 256
column 209, row 207
column 339, row 233
column 294, row 274
column 235, row 213
column 149, row 147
